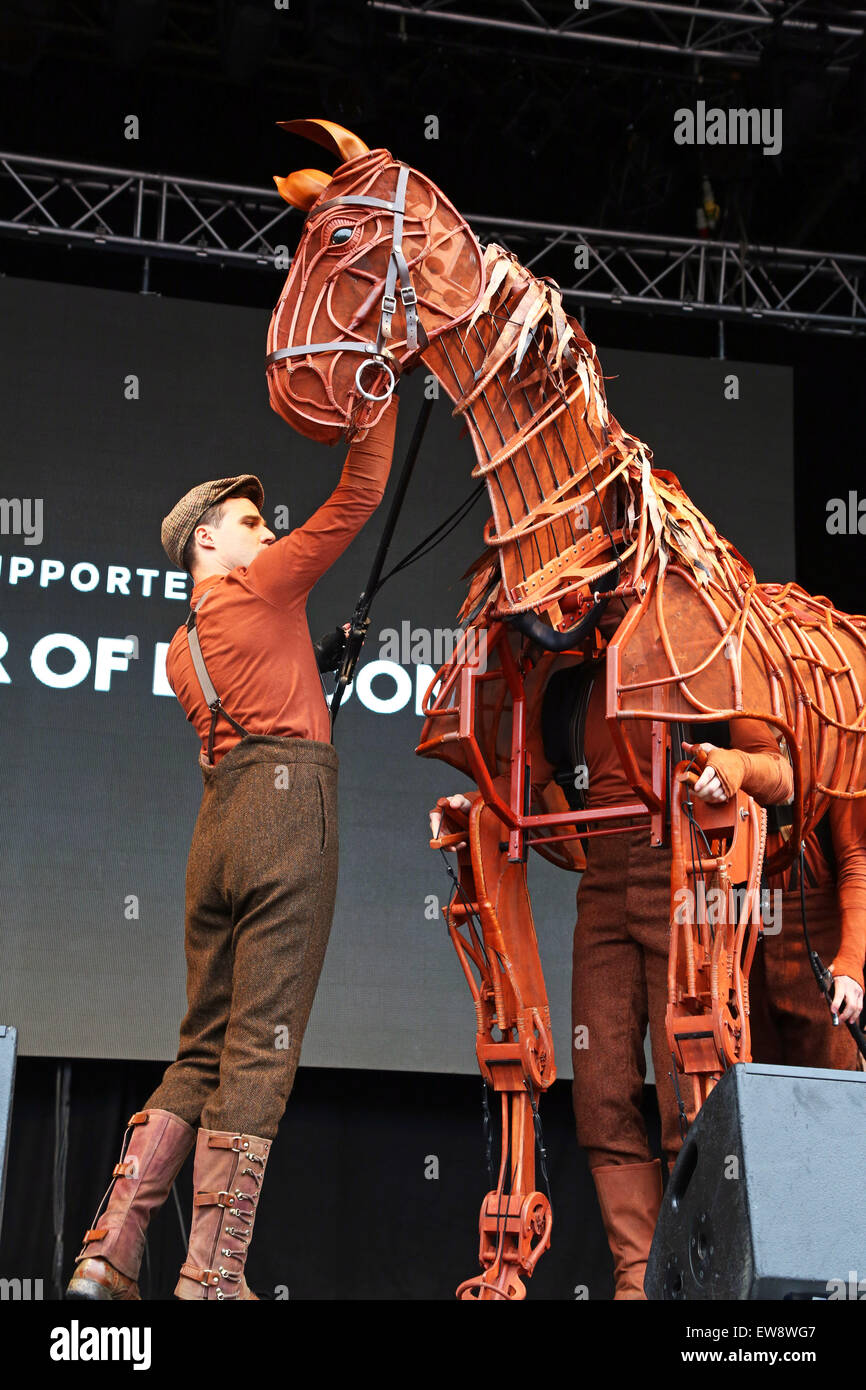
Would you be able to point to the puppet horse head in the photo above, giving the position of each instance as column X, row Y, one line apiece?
column 385, row 264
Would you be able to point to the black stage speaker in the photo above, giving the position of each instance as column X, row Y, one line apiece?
column 768, row 1195
column 8, row 1050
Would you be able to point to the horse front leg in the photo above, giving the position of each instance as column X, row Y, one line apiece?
column 716, row 849
column 490, row 922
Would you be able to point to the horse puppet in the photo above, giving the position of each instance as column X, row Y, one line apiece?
column 388, row 276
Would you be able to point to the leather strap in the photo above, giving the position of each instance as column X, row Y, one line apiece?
column 228, row 1141
column 337, row 346
column 201, row 1276
column 212, row 700
column 141, row 1117
column 95, row 1235
column 212, row 1199
column 204, row 680
column 362, row 199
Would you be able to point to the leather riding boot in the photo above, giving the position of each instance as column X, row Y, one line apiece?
column 227, row 1179
column 630, row 1196
column 155, row 1146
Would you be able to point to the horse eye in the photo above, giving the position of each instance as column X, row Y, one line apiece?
column 340, row 235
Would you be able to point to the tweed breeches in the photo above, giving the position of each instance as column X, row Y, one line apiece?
column 619, row 985
column 260, row 888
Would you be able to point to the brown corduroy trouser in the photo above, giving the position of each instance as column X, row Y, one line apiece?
column 619, row 984
column 791, row 1024
column 260, row 889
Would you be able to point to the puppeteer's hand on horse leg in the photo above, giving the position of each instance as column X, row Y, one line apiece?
column 444, row 806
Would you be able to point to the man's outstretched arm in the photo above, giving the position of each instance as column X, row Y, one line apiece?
column 291, row 566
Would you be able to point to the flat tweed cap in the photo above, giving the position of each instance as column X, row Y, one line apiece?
column 181, row 521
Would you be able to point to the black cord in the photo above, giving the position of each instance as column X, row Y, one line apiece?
column 473, row 916
column 417, row 552
column 822, row 974
column 486, row 1117
column 681, row 1109
column 696, row 830
column 539, row 1140
column 487, row 1130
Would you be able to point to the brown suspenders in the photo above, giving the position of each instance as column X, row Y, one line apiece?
column 212, row 700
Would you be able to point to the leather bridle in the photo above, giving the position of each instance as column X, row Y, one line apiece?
column 377, row 352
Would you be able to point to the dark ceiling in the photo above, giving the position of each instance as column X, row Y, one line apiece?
column 529, row 125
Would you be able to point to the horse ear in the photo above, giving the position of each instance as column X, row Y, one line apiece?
column 303, row 187
column 334, row 137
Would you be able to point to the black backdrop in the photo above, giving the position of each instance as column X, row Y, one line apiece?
column 101, row 785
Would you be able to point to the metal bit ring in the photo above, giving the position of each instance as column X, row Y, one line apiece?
column 375, row 362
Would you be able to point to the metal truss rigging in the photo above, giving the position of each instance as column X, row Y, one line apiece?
column 57, row 202
column 733, row 32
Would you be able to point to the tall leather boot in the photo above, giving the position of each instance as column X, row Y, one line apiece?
column 227, row 1179
column 630, row 1196
column 155, row 1146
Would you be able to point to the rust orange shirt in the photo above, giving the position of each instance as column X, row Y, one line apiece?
column 253, row 628
column 848, row 830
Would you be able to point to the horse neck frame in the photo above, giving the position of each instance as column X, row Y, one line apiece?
column 524, row 446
